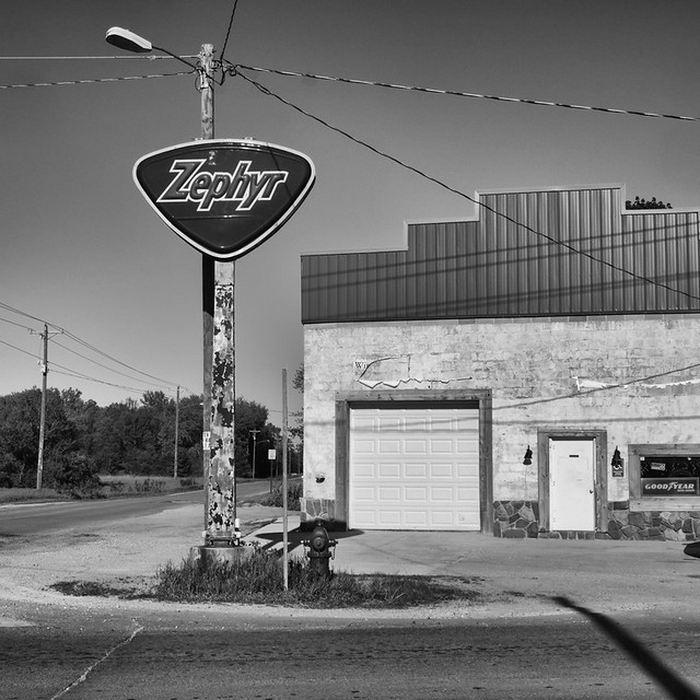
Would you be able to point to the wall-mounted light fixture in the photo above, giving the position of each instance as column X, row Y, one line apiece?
column 528, row 456
column 616, row 460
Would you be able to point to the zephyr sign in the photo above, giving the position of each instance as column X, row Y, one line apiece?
column 225, row 197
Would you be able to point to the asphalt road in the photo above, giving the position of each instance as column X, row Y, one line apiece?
column 560, row 657
column 37, row 518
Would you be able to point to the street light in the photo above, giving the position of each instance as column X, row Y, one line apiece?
column 220, row 521
column 130, row 41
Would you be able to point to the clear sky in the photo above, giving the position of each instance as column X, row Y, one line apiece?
column 82, row 249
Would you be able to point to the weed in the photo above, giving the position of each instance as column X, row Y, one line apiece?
column 295, row 491
column 258, row 578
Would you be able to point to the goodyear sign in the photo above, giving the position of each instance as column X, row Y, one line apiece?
column 669, row 486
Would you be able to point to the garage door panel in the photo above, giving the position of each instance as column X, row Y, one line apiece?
column 365, row 447
column 416, row 447
column 366, row 494
column 445, row 494
column 389, row 447
column 468, row 447
column 389, row 471
column 412, row 494
column 388, row 518
column 442, row 446
column 365, row 470
column 389, row 494
column 443, row 471
column 468, row 494
column 416, row 519
column 415, row 469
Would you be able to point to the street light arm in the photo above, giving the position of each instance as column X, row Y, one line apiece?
column 175, row 56
column 130, row 41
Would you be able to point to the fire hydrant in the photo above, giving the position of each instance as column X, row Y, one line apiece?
column 319, row 553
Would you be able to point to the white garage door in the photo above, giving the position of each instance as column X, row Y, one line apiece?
column 414, row 469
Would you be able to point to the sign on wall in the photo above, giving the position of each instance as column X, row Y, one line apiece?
column 225, row 196
column 679, row 486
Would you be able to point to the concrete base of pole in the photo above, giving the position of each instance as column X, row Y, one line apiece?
column 208, row 557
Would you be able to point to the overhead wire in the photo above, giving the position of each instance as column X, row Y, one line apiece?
column 471, row 95
column 100, row 364
column 150, row 57
column 63, row 83
column 266, row 91
column 228, row 31
column 72, row 336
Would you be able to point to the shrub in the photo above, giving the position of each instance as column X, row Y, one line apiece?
column 295, row 491
column 258, row 578
column 76, row 478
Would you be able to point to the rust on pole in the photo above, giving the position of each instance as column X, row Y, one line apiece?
column 218, row 279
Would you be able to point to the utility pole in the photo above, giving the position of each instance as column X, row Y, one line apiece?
column 42, row 413
column 177, row 431
column 218, row 278
column 254, row 433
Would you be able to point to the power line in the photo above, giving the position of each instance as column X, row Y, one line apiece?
column 94, row 349
column 99, row 364
column 19, row 325
column 228, row 31
column 22, row 350
column 70, row 372
column 150, row 57
column 459, row 193
column 63, row 83
column 471, row 95
column 80, row 375
column 87, row 345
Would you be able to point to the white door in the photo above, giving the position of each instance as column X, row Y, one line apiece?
column 414, row 469
column 571, row 485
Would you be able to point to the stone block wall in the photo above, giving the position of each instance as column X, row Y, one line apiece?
column 613, row 373
column 676, row 526
column 520, row 519
column 516, row 519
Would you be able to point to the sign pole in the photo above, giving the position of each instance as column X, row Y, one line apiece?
column 218, row 442
column 285, row 514
column 224, row 197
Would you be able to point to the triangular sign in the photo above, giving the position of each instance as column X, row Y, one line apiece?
column 225, row 196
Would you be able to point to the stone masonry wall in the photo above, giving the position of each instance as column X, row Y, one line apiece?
column 552, row 373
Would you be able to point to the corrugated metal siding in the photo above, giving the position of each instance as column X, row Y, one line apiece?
column 498, row 266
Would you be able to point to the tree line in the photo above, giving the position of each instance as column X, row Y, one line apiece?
column 83, row 439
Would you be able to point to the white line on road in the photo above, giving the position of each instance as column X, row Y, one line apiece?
column 90, row 669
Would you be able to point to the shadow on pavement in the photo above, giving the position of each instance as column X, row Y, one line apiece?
column 672, row 683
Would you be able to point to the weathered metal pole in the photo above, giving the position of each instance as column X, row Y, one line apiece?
column 220, row 526
column 285, row 515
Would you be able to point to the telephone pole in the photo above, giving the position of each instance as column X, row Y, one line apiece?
column 42, row 414
column 42, row 411
column 177, row 431
column 254, row 433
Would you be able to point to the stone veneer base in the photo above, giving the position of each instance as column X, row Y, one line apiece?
column 520, row 519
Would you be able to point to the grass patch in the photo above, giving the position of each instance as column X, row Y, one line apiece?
column 295, row 491
column 258, row 579
column 129, row 588
column 20, row 495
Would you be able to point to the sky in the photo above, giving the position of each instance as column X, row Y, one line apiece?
column 82, row 249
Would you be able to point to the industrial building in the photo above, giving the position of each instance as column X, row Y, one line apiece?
column 530, row 372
